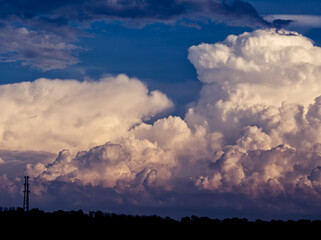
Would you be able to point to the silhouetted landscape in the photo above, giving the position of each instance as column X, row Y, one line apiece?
column 78, row 223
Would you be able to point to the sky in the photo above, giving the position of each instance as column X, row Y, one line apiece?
column 166, row 107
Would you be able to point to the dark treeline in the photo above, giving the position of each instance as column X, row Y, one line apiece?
column 98, row 222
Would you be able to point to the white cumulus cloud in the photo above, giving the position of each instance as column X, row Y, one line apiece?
column 253, row 133
column 51, row 115
column 252, row 130
column 261, row 92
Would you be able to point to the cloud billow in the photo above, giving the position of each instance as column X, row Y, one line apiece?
column 268, row 84
column 50, row 115
column 251, row 139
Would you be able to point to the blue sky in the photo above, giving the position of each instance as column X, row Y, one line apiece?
column 186, row 111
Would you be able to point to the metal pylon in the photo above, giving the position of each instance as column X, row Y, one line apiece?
column 26, row 194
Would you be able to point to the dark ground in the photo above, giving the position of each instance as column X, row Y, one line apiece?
column 101, row 225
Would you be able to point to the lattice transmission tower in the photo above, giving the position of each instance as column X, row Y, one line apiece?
column 26, row 194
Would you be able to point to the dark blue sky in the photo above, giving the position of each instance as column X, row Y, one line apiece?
column 287, row 6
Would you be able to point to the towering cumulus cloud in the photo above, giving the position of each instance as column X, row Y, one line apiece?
column 265, row 79
column 250, row 141
column 261, row 94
